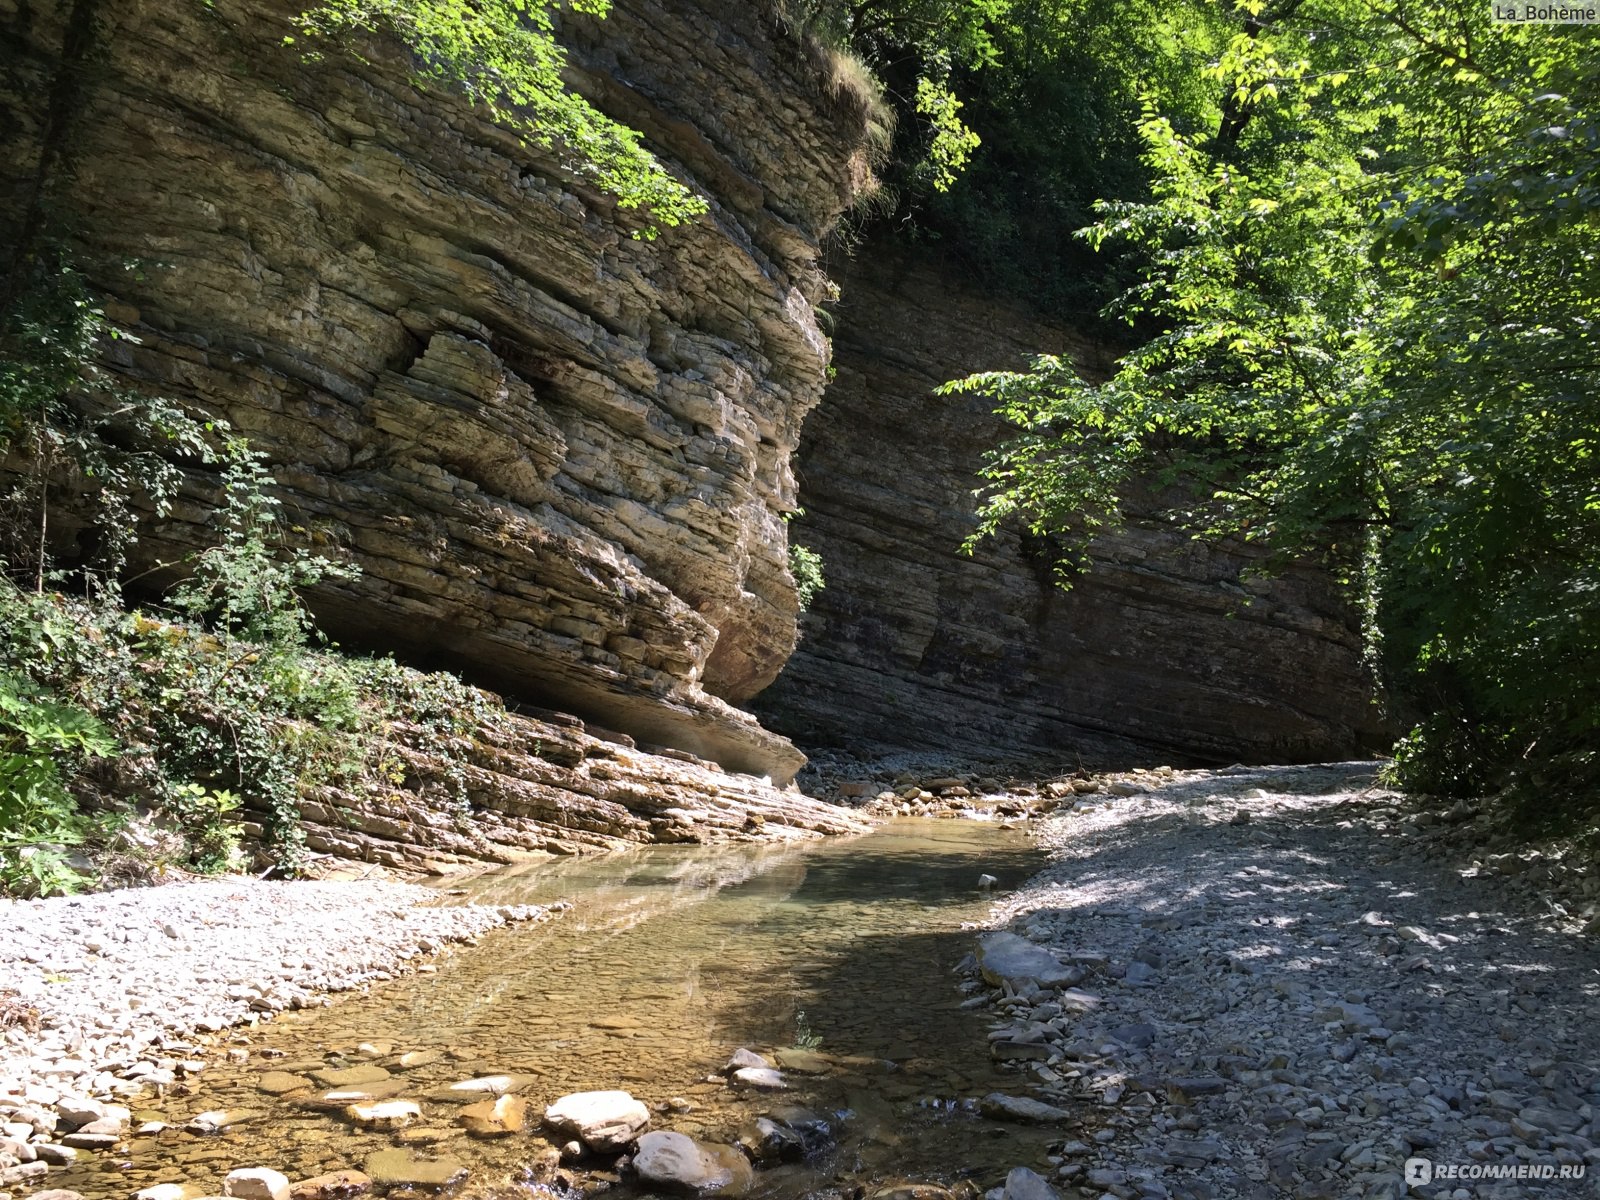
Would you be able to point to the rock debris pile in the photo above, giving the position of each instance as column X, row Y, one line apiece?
column 1288, row 982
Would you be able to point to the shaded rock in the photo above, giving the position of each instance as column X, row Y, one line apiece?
column 1006, row 956
column 766, row 1141
column 678, row 1163
column 878, row 659
column 606, row 1120
column 1020, row 1108
column 1023, row 1184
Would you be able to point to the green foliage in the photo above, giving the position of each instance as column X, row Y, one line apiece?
column 1376, row 278
column 804, row 1036
column 73, row 423
column 213, row 732
column 41, row 740
column 503, row 54
column 249, row 583
column 806, row 566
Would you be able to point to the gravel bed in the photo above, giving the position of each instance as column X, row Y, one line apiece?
column 101, row 995
column 1288, row 982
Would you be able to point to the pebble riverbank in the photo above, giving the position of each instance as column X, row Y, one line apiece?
column 103, row 996
column 1288, row 982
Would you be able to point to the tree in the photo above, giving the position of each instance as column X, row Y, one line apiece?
column 1376, row 280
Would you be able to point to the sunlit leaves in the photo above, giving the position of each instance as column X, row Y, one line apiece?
column 503, row 54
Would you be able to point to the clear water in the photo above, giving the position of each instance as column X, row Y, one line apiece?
column 670, row 960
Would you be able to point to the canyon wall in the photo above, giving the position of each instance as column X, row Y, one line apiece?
column 1161, row 649
column 558, row 455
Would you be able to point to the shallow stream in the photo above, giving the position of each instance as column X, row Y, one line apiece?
column 671, row 959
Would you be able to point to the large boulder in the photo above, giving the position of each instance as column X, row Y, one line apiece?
column 678, row 1163
column 1005, row 956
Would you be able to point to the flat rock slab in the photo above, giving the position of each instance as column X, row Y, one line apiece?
column 494, row 1118
column 678, row 1163
column 279, row 1083
column 401, row 1168
column 1020, row 1108
column 760, row 1077
column 351, row 1076
column 469, row 1091
column 600, row 1120
column 1004, row 956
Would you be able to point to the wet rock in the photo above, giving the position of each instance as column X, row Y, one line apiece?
column 1023, row 1184
column 280, row 1083
column 218, row 1121
column 1020, row 1108
column 336, row 1185
column 1004, row 956
column 764, row 1078
column 256, row 1183
column 606, row 1120
column 384, row 1114
column 766, row 1141
column 742, row 1058
column 494, row 1118
column 351, row 1076
column 90, row 1141
column 401, row 1168
column 678, row 1163
column 803, row 1061
column 55, row 1155
column 470, row 1090
column 903, row 1190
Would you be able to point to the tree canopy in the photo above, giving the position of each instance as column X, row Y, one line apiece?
column 1373, row 273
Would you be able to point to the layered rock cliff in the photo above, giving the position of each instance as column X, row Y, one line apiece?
column 559, row 456
column 1161, row 649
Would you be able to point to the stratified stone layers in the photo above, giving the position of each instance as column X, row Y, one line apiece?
column 558, row 455
column 1159, row 650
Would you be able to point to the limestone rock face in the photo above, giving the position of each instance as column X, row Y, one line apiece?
column 1161, row 649
column 558, row 455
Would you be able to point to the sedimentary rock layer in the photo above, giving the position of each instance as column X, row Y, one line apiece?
column 1160, row 649
column 558, row 455
column 544, row 784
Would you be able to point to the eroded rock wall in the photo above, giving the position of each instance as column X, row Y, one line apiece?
column 1161, row 650
column 558, row 455
column 537, row 785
